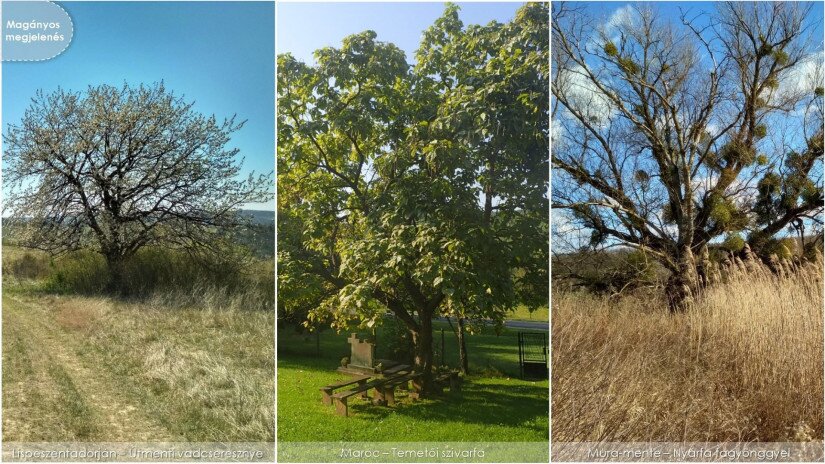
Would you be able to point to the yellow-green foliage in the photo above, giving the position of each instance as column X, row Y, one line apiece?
column 735, row 151
column 734, row 243
column 628, row 65
column 810, row 193
column 610, row 49
column 725, row 213
column 780, row 56
column 784, row 248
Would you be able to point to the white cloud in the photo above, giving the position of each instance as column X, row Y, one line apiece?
column 622, row 17
column 801, row 79
column 556, row 133
column 584, row 95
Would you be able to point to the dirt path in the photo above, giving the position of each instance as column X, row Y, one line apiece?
column 55, row 389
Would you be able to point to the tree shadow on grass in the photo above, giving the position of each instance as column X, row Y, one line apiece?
column 484, row 402
column 488, row 403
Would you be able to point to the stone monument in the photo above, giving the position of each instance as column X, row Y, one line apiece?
column 362, row 358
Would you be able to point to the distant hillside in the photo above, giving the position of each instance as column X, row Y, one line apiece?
column 260, row 238
column 260, row 217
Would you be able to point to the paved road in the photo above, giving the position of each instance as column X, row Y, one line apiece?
column 519, row 325
column 527, row 325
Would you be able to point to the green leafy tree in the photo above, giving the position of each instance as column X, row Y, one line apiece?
column 421, row 189
column 117, row 169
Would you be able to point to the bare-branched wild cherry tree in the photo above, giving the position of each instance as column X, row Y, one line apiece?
column 116, row 169
column 670, row 134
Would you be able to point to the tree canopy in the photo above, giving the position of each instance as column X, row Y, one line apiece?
column 672, row 134
column 419, row 189
column 119, row 168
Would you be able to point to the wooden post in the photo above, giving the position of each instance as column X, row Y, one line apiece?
column 341, row 406
column 442, row 348
column 326, row 396
column 379, row 395
column 389, row 395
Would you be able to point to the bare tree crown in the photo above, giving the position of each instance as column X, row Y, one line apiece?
column 667, row 135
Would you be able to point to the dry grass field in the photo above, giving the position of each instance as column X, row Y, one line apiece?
column 744, row 364
column 192, row 365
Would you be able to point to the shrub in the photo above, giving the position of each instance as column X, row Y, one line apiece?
column 27, row 265
column 82, row 272
column 167, row 277
column 628, row 65
column 760, row 131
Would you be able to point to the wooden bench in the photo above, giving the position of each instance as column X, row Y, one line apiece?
column 340, row 398
column 327, row 391
column 388, row 389
column 451, row 378
column 396, row 369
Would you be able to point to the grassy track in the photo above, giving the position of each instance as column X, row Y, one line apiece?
column 93, row 369
column 494, row 405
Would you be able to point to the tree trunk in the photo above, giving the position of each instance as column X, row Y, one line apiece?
column 462, row 348
column 423, row 360
column 116, row 264
column 683, row 284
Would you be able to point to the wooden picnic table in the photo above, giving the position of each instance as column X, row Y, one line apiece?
column 397, row 375
column 340, row 398
column 327, row 390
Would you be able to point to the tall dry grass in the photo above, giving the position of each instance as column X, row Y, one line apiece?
column 745, row 363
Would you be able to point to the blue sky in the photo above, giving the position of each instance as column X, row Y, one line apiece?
column 671, row 11
column 219, row 54
column 303, row 28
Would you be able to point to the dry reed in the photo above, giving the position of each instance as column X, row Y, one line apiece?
column 743, row 364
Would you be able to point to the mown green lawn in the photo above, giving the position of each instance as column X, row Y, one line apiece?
column 494, row 405
column 522, row 314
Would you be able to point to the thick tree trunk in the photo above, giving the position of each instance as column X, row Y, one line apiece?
column 423, row 360
column 117, row 268
column 683, row 284
column 462, row 348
